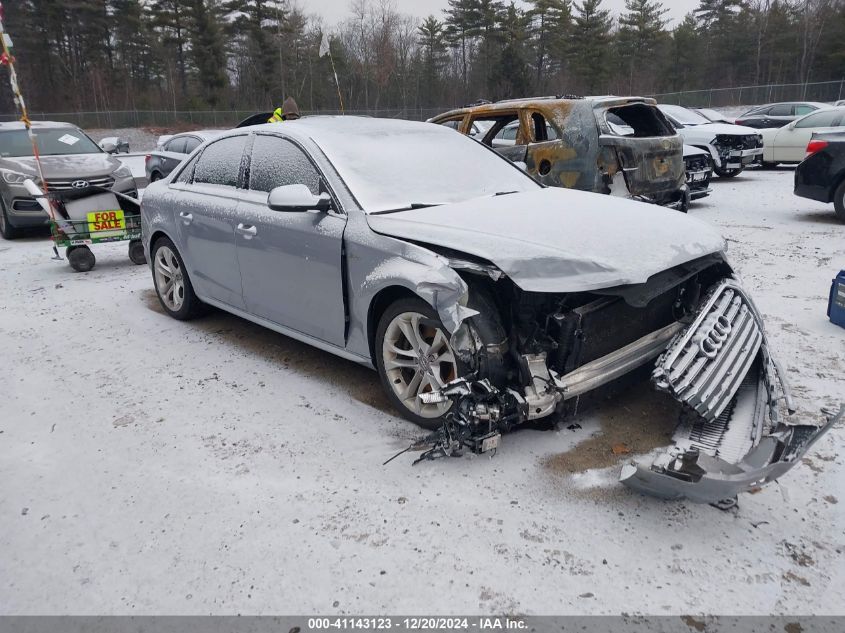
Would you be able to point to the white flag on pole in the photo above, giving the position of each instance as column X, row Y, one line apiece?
column 324, row 46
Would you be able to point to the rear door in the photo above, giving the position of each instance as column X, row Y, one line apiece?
column 791, row 141
column 290, row 263
column 206, row 219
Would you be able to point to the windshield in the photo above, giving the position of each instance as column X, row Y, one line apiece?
column 713, row 115
column 682, row 115
column 405, row 165
column 51, row 142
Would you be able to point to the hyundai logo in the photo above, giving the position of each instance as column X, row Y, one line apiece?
column 79, row 184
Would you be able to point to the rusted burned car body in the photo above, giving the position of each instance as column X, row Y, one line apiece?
column 484, row 302
column 619, row 145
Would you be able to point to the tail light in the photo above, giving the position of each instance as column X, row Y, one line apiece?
column 815, row 146
column 739, row 122
column 147, row 158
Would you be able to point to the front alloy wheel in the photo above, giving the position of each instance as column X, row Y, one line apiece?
column 415, row 358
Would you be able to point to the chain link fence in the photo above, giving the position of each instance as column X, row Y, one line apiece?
column 824, row 91
column 113, row 119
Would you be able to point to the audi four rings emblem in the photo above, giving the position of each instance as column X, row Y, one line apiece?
column 716, row 337
column 79, row 184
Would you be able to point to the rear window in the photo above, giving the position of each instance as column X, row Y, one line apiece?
column 825, row 118
column 51, row 142
column 638, row 120
column 782, row 109
column 176, row 145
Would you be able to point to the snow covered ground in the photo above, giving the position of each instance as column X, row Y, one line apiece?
column 153, row 466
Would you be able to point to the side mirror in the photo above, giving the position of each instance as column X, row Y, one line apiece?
column 791, row 126
column 297, row 198
column 109, row 147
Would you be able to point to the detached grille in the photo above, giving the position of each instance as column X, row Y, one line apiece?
column 738, row 141
column 66, row 185
column 705, row 367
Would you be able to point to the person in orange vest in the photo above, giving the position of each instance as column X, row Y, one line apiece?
column 288, row 112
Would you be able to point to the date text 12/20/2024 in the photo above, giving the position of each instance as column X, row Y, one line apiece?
column 417, row 624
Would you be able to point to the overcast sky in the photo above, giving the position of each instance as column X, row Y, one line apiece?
column 334, row 11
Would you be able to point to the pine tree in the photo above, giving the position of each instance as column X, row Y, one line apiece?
column 510, row 73
column 551, row 24
column 208, row 50
column 432, row 40
column 589, row 46
column 170, row 18
column 639, row 39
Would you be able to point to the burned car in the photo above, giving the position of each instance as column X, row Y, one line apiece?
column 483, row 299
column 619, row 145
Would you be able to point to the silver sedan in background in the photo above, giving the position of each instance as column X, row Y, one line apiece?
column 483, row 299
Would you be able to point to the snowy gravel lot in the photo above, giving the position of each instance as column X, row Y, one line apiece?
column 153, row 466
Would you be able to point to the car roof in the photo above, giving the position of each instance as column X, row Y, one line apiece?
column 322, row 127
column 546, row 103
column 18, row 125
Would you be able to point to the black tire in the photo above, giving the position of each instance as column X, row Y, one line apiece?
column 766, row 165
column 8, row 231
column 839, row 201
column 136, row 252
column 155, row 176
column 190, row 305
column 727, row 173
column 80, row 258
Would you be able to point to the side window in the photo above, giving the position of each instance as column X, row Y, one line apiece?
column 784, row 109
column 220, row 162
column 801, row 110
column 176, row 145
column 187, row 172
column 498, row 130
column 277, row 162
column 454, row 124
column 191, row 143
column 543, row 130
column 827, row 118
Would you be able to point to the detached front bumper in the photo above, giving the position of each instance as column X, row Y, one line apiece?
column 732, row 436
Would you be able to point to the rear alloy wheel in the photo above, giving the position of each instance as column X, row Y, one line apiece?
column 172, row 284
column 413, row 356
column 8, row 231
column 839, row 201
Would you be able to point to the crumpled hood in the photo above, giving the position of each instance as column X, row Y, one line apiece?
column 65, row 167
column 560, row 240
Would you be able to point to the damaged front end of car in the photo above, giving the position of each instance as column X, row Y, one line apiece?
column 692, row 328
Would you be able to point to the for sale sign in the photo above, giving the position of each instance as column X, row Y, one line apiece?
column 106, row 223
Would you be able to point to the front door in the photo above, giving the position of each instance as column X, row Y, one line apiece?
column 206, row 221
column 290, row 263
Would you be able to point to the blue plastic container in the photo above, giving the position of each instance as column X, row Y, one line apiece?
column 836, row 304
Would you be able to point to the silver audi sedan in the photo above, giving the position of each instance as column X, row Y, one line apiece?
column 483, row 299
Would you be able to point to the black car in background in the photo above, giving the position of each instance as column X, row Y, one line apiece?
column 777, row 114
column 821, row 176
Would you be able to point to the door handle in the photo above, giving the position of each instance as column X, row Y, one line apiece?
column 247, row 230
column 186, row 217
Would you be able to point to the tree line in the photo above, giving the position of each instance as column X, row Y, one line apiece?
column 83, row 55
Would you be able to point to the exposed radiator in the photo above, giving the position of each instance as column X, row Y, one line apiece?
column 705, row 366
